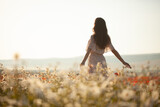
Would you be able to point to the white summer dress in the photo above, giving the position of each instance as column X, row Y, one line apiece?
column 96, row 55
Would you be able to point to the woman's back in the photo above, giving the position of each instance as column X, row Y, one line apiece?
column 95, row 48
column 96, row 55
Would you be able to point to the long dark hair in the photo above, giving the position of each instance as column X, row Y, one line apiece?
column 101, row 36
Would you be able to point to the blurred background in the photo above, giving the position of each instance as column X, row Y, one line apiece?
column 38, row 29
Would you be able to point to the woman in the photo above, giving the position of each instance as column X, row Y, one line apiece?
column 98, row 44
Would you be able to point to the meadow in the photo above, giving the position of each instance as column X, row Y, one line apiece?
column 51, row 88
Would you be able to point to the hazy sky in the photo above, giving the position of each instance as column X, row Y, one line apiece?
column 61, row 28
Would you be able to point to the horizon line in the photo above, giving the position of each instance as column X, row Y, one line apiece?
column 74, row 57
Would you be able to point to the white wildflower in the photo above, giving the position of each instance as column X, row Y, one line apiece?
column 95, row 91
column 65, row 100
column 126, row 104
column 45, row 105
column 11, row 88
column 73, row 94
column 37, row 102
column 148, row 103
column 127, row 94
column 101, row 78
column 109, row 95
column 66, row 82
column 111, row 83
column 77, row 104
column 104, row 85
column 152, row 85
column 62, row 91
column 109, row 89
column 83, row 89
column 36, row 87
column 5, row 85
column 143, row 96
column 51, row 96
column 69, row 105
column 111, row 77
column 155, row 95
column 10, row 101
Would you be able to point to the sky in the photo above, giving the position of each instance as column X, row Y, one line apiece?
column 62, row 28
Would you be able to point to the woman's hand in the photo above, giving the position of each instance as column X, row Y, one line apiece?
column 127, row 65
column 85, row 57
column 120, row 58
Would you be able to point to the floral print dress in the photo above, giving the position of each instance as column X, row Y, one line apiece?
column 96, row 55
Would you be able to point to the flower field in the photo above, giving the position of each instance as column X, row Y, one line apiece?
column 21, row 88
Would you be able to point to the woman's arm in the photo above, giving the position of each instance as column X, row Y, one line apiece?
column 85, row 57
column 120, row 58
